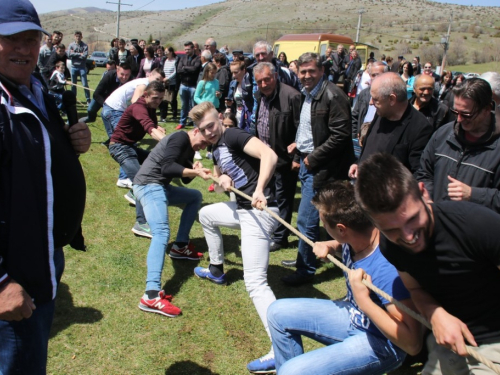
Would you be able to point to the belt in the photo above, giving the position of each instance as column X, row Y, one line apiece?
column 302, row 154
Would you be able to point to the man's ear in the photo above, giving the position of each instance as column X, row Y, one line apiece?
column 342, row 229
column 424, row 192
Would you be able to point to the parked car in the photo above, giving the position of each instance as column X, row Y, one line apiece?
column 471, row 75
column 100, row 58
column 89, row 65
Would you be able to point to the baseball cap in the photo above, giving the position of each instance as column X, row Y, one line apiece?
column 18, row 16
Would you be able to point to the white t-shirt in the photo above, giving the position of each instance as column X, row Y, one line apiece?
column 121, row 98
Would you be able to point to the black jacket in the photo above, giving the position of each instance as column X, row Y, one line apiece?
column 188, row 70
column 352, row 69
column 407, row 141
column 135, row 64
column 359, row 111
column 475, row 164
column 248, row 84
column 106, row 86
column 51, row 65
column 224, row 77
column 42, row 191
column 333, row 151
column 435, row 112
column 284, row 116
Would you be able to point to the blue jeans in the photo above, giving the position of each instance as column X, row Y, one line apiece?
column 23, row 344
column 155, row 199
column 187, row 102
column 110, row 118
column 130, row 159
column 75, row 72
column 58, row 98
column 92, row 110
column 307, row 222
column 348, row 349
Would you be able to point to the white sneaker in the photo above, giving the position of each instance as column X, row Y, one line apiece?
column 197, row 155
column 125, row 183
column 209, row 155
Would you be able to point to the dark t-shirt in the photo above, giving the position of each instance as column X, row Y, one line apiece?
column 167, row 161
column 241, row 167
column 459, row 268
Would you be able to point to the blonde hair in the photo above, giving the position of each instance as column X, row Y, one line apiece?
column 198, row 112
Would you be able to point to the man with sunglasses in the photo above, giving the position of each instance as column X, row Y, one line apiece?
column 461, row 162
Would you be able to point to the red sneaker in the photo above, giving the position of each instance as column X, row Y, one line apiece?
column 159, row 305
column 180, row 126
column 186, row 252
column 211, row 188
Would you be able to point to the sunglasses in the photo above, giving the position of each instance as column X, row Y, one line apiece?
column 462, row 114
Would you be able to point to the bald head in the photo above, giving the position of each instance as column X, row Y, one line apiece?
column 423, row 87
column 388, row 95
column 390, row 83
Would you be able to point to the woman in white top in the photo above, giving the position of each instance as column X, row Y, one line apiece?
column 148, row 63
column 170, row 69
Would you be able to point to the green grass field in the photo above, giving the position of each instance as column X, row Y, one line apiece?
column 98, row 328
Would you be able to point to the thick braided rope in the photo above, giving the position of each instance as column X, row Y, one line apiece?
column 473, row 353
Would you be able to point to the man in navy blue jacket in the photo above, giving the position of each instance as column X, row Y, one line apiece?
column 42, row 189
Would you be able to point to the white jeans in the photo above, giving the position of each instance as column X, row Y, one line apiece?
column 256, row 229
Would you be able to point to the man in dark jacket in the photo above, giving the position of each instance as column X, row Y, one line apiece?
column 34, row 146
column 109, row 82
column 58, row 55
column 324, row 150
column 436, row 112
column 352, row 68
column 461, row 162
column 263, row 52
column 337, row 68
column 397, row 128
column 277, row 119
column 188, row 69
column 224, row 77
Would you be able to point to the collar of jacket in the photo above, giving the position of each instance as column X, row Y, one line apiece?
column 487, row 140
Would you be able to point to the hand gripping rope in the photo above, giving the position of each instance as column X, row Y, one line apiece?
column 472, row 352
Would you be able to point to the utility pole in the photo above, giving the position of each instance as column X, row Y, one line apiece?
column 361, row 11
column 446, row 44
column 119, row 3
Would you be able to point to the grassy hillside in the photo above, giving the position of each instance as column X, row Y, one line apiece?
column 408, row 27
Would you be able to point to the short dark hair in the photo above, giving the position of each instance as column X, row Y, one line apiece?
column 125, row 66
column 476, row 89
column 77, row 32
column 60, row 46
column 189, row 43
column 308, row 57
column 337, row 204
column 155, row 86
column 383, row 183
column 220, row 58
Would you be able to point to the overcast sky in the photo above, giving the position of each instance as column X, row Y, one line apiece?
column 44, row 6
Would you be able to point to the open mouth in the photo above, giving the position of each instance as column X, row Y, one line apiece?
column 414, row 241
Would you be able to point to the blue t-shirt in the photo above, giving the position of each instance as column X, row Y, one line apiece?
column 384, row 276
